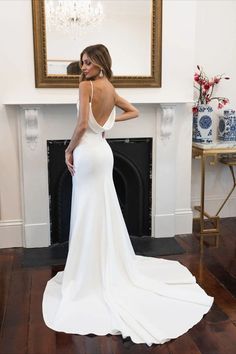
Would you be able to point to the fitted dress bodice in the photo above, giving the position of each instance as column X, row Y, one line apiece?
column 93, row 126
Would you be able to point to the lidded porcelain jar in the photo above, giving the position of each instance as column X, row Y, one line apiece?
column 202, row 124
column 227, row 125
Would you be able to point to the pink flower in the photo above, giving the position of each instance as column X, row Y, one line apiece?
column 211, row 82
column 206, row 86
column 216, row 80
column 196, row 77
column 195, row 109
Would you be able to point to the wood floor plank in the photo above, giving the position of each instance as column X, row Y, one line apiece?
column 216, row 338
column 14, row 339
column 223, row 276
column 37, row 327
column 69, row 343
column 6, row 264
column 216, row 315
column 189, row 244
column 184, row 344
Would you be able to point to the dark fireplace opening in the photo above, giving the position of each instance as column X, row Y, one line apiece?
column 132, row 175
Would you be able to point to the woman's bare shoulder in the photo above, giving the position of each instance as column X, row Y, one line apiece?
column 84, row 85
column 84, row 89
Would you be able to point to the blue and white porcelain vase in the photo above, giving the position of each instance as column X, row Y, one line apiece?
column 202, row 124
column 227, row 126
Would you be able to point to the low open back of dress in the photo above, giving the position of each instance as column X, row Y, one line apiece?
column 92, row 121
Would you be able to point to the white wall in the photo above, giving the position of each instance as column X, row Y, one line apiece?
column 215, row 46
column 17, row 86
column 17, row 59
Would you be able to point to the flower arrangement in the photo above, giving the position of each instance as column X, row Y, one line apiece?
column 205, row 87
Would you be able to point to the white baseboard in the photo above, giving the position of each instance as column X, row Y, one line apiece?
column 183, row 221
column 169, row 225
column 14, row 234
column 37, row 235
column 11, row 234
column 164, row 225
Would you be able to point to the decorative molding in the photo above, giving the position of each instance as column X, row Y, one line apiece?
column 31, row 126
column 167, row 120
column 6, row 223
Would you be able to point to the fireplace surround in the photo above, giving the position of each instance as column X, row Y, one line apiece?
column 167, row 124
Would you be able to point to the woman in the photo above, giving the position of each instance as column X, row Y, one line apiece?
column 106, row 288
column 104, row 100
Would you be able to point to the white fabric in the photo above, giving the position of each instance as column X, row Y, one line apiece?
column 106, row 288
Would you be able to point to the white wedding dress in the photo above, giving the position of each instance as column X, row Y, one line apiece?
column 106, row 288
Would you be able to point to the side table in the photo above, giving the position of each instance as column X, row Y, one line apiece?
column 221, row 152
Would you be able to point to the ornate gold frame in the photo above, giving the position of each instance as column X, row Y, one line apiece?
column 40, row 54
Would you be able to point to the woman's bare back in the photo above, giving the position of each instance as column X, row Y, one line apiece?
column 103, row 100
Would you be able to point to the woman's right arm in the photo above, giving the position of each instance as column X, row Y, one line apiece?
column 81, row 126
column 130, row 111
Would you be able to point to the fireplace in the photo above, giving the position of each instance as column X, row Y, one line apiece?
column 132, row 175
column 165, row 131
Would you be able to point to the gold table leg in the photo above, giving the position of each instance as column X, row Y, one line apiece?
column 203, row 214
column 232, row 189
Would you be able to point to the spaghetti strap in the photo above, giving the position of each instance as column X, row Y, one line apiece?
column 92, row 90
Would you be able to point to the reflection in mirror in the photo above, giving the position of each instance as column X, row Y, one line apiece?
column 73, row 25
column 130, row 29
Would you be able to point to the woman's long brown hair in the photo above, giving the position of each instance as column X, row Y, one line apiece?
column 100, row 56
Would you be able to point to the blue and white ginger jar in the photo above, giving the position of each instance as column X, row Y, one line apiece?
column 202, row 124
column 227, row 126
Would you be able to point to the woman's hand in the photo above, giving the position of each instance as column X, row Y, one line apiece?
column 69, row 162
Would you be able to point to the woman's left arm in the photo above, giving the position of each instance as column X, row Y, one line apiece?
column 82, row 124
column 130, row 111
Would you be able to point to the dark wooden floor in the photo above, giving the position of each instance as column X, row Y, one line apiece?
column 24, row 332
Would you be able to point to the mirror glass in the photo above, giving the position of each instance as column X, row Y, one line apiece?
column 125, row 29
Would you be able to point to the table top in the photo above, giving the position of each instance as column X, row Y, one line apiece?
column 215, row 148
column 216, row 145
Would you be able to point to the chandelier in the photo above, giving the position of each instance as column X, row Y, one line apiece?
column 72, row 16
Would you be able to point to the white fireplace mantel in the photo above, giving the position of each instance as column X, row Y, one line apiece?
column 31, row 115
column 38, row 123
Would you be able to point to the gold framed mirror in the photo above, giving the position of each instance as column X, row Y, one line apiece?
column 136, row 27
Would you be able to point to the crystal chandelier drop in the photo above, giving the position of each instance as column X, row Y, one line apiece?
column 72, row 16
